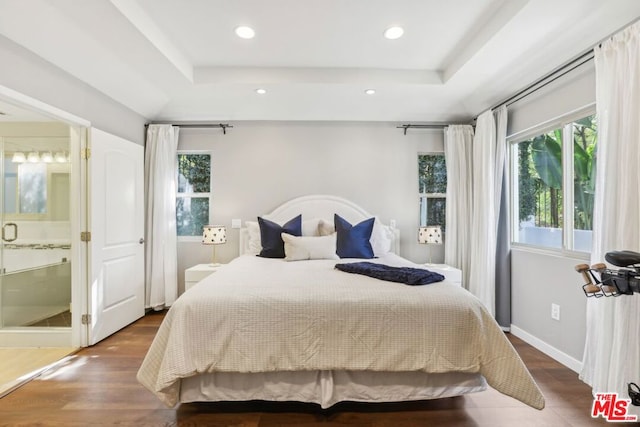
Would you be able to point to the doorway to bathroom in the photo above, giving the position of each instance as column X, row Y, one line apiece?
column 36, row 225
column 35, row 236
column 71, row 228
column 35, row 244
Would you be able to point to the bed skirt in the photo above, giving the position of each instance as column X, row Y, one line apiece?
column 327, row 388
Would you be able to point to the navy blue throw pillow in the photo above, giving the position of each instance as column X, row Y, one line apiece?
column 271, row 239
column 353, row 241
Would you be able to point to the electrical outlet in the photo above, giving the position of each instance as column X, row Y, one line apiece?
column 236, row 223
column 555, row 311
column 392, row 223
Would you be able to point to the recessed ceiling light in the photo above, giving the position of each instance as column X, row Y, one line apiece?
column 370, row 91
column 393, row 33
column 261, row 91
column 245, row 32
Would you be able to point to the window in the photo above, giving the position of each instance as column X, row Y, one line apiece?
column 32, row 181
column 548, row 209
column 432, row 184
column 193, row 198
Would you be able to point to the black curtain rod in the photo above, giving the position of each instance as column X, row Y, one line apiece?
column 548, row 79
column 222, row 126
column 571, row 65
column 425, row 126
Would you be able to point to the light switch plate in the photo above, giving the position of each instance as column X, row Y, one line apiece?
column 236, row 223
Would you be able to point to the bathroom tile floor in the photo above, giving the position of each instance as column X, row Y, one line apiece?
column 60, row 319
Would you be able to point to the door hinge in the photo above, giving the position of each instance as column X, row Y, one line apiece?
column 85, row 236
column 86, row 319
column 85, row 153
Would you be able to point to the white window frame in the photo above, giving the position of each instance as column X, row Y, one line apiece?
column 198, row 195
column 564, row 122
column 429, row 195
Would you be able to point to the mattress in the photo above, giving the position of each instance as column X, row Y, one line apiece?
column 259, row 315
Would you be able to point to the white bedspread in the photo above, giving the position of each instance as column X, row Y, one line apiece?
column 265, row 315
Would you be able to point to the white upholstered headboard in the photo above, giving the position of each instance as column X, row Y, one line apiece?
column 317, row 206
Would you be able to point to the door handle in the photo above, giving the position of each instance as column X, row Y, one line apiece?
column 141, row 241
column 15, row 231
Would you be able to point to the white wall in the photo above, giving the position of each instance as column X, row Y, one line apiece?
column 27, row 73
column 259, row 165
column 540, row 279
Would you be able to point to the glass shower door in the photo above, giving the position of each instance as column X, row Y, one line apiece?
column 35, row 248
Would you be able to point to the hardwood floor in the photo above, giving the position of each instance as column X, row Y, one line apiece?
column 97, row 386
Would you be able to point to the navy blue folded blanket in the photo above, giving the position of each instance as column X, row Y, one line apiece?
column 406, row 275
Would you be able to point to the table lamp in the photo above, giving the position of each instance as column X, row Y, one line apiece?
column 214, row 235
column 430, row 235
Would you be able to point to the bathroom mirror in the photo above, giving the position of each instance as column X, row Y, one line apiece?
column 36, row 178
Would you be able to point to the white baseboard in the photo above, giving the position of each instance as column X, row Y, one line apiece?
column 554, row 353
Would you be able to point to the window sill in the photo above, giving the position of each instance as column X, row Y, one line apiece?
column 190, row 239
column 564, row 253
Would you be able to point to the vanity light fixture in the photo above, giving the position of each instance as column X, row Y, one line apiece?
column 393, row 33
column 33, row 157
column 18, row 157
column 47, row 157
column 370, row 91
column 245, row 32
column 60, row 157
column 261, row 91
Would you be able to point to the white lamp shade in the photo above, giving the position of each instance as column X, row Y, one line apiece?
column 430, row 235
column 214, row 234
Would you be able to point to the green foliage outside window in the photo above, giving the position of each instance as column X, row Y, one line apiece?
column 540, row 176
column 194, row 173
column 192, row 213
column 585, row 137
column 432, row 174
column 194, row 187
column 526, row 184
column 432, row 184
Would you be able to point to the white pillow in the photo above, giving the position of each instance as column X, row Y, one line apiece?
column 381, row 237
column 325, row 227
column 298, row 248
column 309, row 228
column 253, row 230
column 380, row 240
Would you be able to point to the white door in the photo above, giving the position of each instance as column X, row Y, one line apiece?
column 116, row 222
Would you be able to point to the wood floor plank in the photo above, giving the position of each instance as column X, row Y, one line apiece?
column 97, row 386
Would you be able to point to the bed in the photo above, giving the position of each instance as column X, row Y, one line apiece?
column 271, row 329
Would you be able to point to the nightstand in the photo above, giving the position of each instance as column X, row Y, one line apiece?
column 193, row 275
column 453, row 275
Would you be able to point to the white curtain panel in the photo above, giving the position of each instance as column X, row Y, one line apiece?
column 161, row 259
column 612, row 347
column 459, row 158
column 488, row 165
